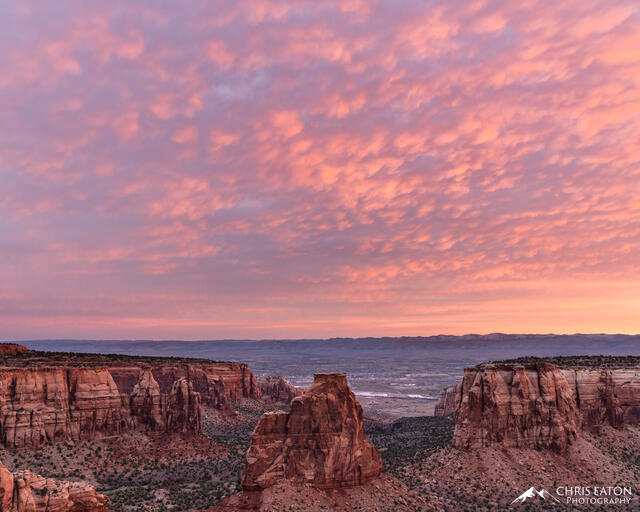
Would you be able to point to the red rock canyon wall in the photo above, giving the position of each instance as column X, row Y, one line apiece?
column 542, row 406
column 49, row 404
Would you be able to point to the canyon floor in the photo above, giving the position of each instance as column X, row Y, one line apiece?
column 151, row 472
column 154, row 472
column 146, row 472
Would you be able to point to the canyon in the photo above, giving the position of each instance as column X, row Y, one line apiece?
column 553, row 422
column 158, row 433
column 54, row 405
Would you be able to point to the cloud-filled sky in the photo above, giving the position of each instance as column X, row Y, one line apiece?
column 300, row 168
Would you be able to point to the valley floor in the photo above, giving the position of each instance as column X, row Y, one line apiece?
column 154, row 473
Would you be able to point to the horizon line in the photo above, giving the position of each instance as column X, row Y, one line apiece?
column 134, row 340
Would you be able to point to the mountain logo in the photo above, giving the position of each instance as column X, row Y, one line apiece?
column 532, row 493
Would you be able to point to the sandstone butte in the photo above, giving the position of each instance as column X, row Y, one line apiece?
column 47, row 400
column 320, row 442
column 25, row 491
column 542, row 405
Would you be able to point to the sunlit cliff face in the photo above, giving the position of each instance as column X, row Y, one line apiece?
column 303, row 168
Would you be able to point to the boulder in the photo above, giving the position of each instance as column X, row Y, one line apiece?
column 25, row 491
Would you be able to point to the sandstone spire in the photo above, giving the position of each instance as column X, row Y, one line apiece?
column 321, row 441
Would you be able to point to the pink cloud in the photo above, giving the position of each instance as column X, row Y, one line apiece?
column 249, row 169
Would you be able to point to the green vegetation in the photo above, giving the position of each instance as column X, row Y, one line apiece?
column 574, row 361
column 408, row 441
column 41, row 358
column 150, row 473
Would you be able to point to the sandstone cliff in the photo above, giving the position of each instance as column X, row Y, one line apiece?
column 542, row 405
column 277, row 389
column 448, row 401
column 25, row 491
column 44, row 403
column 217, row 383
column 183, row 408
column 320, row 442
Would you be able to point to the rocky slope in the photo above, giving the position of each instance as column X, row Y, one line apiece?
column 277, row 389
column 49, row 397
column 488, row 479
column 25, row 491
column 382, row 494
column 448, row 401
column 537, row 404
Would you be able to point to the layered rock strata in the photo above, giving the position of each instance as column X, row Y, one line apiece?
column 25, row 491
column 320, row 442
column 49, row 404
column 217, row 383
column 277, row 389
column 448, row 401
column 542, row 405
column 183, row 408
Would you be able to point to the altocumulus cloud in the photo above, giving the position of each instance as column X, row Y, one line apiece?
column 271, row 168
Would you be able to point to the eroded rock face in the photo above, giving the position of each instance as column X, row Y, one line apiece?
column 40, row 405
column 606, row 396
column 147, row 402
column 448, row 401
column 6, row 489
column 34, row 406
column 217, row 383
column 25, row 491
column 277, row 389
column 43, row 403
column 183, row 408
column 95, row 403
column 320, row 442
column 542, row 405
column 239, row 381
column 51, row 404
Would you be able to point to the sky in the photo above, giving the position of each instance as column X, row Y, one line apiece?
column 281, row 169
